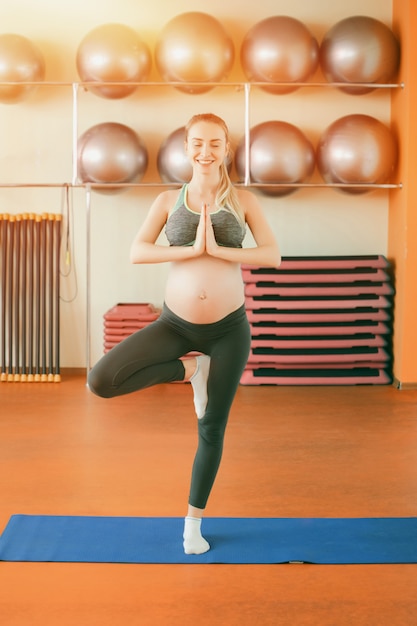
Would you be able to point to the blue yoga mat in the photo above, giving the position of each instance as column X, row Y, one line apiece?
column 50, row 538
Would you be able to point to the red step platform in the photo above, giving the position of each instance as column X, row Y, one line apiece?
column 320, row 321
column 123, row 319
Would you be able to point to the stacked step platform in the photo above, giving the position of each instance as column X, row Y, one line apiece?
column 123, row 319
column 320, row 321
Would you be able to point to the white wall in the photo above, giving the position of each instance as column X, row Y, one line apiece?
column 36, row 139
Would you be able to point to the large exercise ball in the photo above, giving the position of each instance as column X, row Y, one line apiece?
column 359, row 49
column 194, row 47
column 357, row 149
column 111, row 153
column 279, row 49
column 113, row 53
column 172, row 162
column 279, row 152
column 20, row 61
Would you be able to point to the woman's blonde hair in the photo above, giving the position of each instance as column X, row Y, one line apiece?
column 226, row 196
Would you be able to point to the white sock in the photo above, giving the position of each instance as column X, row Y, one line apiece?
column 199, row 383
column 194, row 542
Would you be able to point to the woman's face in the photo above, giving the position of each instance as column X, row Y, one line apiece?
column 206, row 146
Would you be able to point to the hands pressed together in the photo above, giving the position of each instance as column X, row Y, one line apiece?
column 205, row 241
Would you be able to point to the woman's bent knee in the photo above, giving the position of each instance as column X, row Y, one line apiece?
column 99, row 386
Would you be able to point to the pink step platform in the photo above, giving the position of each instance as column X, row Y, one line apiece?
column 320, row 321
column 123, row 319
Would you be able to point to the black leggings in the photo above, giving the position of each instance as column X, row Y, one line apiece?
column 152, row 356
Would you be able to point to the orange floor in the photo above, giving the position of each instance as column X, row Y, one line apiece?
column 290, row 451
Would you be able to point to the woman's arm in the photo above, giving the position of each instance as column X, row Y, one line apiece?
column 144, row 248
column 265, row 253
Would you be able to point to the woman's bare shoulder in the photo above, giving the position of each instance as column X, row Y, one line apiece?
column 247, row 198
column 169, row 194
column 166, row 199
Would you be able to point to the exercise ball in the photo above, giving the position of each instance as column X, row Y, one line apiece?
column 359, row 49
column 357, row 149
column 113, row 53
column 172, row 162
column 20, row 61
column 279, row 152
column 111, row 153
column 279, row 49
column 194, row 48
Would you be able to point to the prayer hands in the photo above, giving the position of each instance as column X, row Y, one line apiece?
column 205, row 241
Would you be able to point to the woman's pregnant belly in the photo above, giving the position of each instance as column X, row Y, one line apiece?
column 204, row 290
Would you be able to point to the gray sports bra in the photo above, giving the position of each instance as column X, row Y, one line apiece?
column 182, row 222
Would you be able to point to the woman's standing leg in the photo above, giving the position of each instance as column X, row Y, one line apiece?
column 229, row 354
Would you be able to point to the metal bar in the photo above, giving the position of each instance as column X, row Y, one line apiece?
column 56, row 369
column 31, row 308
column 238, row 84
column 88, row 276
column 10, row 296
column 177, row 185
column 17, row 301
column 24, row 286
column 4, row 240
column 247, row 135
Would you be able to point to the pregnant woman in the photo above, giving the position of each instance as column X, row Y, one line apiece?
column 204, row 310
